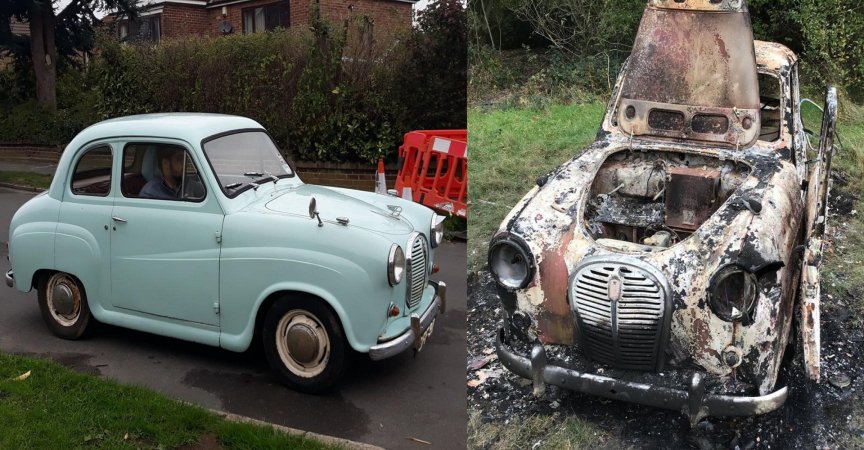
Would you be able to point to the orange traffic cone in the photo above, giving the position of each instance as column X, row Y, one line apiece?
column 381, row 181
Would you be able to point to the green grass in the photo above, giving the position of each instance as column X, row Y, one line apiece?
column 58, row 408
column 35, row 180
column 546, row 432
column 509, row 150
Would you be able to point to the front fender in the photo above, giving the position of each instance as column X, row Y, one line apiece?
column 264, row 254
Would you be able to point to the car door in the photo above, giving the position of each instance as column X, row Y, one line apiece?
column 819, row 189
column 83, row 239
column 165, row 235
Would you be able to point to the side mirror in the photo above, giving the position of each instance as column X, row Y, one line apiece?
column 313, row 211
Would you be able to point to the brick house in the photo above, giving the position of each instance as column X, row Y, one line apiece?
column 168, row 19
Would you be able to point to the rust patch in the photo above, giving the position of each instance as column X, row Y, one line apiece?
column 555, row 319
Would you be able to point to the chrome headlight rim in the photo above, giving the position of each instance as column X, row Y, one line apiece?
column 508, row 241
column 395, row 265
column 436, row 230
column 748, row 299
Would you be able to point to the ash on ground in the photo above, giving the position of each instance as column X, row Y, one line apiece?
column 814, row 416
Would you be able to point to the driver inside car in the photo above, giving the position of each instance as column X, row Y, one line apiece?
column 168, row 186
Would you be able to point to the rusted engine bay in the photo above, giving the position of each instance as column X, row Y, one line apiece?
column 646, row 201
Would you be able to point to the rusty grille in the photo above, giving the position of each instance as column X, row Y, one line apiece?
column 621, row 311
column 417, row 270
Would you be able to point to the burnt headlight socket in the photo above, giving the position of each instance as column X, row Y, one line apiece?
column 510, row 261
column 732, row 294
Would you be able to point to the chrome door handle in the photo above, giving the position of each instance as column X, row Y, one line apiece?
column 118, row 219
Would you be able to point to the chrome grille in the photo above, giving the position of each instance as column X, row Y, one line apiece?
column 417, row 270
column 621, row 311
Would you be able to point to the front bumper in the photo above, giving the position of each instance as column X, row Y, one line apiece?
column 693, row 402
column 419, row 325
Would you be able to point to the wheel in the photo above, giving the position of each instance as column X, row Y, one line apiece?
column 63, row 304
column 304, row 344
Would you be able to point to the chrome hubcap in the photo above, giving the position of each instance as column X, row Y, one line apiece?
column 63, row 303
column 64, row 299
column 302, row 343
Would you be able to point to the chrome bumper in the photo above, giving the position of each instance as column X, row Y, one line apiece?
column 10, row 278
column 693, row 402
column 411, row 337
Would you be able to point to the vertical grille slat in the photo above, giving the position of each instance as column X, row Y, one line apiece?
column 625, row 332
column 417, row 275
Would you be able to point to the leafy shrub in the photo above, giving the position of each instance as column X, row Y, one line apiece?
column 325, row 93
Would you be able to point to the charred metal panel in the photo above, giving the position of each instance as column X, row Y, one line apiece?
column 702, row 5
column 629, row 211
column 691, row 196
column 687, row 65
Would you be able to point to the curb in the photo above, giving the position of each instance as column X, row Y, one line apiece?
column 19, row 187
column 331, row 440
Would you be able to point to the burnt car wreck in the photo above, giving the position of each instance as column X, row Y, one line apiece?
column 667, row 263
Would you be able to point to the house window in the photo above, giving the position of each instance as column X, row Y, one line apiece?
column 266, row 18
column 149, row 30
column 145, row 29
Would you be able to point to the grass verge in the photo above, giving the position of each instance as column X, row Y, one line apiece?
column 35, row 180
column 55, row 407
column 509, row 150
column 535, row 432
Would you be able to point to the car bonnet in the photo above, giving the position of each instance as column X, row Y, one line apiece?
column 692, row 74
column 333, row 205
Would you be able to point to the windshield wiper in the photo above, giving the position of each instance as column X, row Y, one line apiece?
column 253, row 174
column 269, row 177
column 238, row 185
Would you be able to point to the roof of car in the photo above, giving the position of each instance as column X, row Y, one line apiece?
column 773, row 56
column 191, row 127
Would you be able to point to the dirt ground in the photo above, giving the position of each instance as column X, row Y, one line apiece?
column 820, row 416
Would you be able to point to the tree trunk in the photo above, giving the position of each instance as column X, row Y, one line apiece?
column 44, row 53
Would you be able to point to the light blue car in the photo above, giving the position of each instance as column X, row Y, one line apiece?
column 193, row 226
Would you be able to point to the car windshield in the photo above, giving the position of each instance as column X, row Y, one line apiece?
column 245, row 159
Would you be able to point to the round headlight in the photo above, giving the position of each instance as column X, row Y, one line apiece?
column 510, row 262
column 732, row 294
column 437, row 233
column 395, row 265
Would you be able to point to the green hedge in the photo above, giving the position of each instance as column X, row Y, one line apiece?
column 322, row 96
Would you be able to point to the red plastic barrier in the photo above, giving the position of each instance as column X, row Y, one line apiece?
column 434, row 165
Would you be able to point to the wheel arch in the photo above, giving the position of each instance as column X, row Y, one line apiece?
column 287, row 295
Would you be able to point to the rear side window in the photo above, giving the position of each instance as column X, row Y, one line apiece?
column 92, row 174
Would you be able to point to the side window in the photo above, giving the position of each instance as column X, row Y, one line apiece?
column 92, row 174
column 161, row 172
column 770, row 99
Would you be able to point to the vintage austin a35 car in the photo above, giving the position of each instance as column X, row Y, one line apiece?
column 670, row 258
column 193, row 226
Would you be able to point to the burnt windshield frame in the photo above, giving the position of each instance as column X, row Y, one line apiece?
column 251, row 184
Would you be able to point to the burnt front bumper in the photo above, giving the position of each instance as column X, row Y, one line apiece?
column 693, row 402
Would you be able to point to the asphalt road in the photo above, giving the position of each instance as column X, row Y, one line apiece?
column 385, row 403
